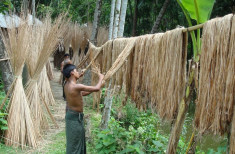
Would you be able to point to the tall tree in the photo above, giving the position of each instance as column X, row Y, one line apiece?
column 25, row 6
column 96, row 21
column 33, row 10
column 5, row 66
column 135, row 18
column 159, row 17
column 118, row 31
column 122, row 18
column 107, row 108
column 116, row 20
column 111, row 19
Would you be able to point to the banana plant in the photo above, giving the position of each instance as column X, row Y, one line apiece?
column 199, row 10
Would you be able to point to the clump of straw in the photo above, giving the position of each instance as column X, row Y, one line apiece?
column 50, row 72
column 217, row 70
column 21, row 130
column 76, row 42
column 102, row 36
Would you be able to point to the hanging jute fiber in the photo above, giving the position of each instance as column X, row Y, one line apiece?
column 232, row 132
column 21, row 130
column 138, row 66
column 76, row 42
column 214, row 108
column 102, row 36
column 159, row 58
column 168, row 78
column 50, row 72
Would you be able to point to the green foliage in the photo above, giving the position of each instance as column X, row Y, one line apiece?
column 137, row 132
column 5, row 5
column 3, row 121
column 199, row 10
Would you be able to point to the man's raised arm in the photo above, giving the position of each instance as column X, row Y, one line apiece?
column 90, row 89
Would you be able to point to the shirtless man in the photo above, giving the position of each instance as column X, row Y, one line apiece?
column 75, row 132
column 64, row 62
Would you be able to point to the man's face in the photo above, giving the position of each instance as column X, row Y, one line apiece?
column 76, row 73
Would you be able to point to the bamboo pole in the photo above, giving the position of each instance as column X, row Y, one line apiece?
column 4, row 59
column 192, row 28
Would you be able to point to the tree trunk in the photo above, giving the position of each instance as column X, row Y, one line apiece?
column 111, row 19
column 25, row 7
column 135, row 18
column 96, row 21
column 88, row 8
column 177, row 128
column 107, row 108
column 5, row 66
column 130, row 8
column 122, row 18
column 159, row 18
column 116, row 20
column 33, row 11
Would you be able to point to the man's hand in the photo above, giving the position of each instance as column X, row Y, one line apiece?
column 82, row 73
column 101, row 76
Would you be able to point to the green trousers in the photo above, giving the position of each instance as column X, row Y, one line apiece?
column 75, row 133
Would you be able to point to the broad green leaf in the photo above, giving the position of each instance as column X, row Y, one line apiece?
column 4, row 128
column 98, row 146
column 204, row 9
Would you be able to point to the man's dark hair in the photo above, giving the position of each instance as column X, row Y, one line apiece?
column 65, row 55
column 68, row 69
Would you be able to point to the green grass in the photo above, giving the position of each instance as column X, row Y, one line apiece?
column 9, row 150
column 58, row 146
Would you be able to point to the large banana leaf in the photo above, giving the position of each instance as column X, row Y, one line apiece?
column 200, row 10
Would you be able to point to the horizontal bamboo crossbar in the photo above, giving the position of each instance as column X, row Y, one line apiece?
column 4, row 59
column 189, row 29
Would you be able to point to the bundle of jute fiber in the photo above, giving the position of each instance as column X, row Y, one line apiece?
column 67, row 39
column 152, row 81
column 50, row 72
column 139, row 93
column 76, row 43
column 52, row 32
column 170, row 72
column 84, row 43
column 118, row 63
column 118, row 46
column 43, row 43
column 101, row 39
column 31, row 88
column 102, row 36
column 45, row 88
column 21, row 130
column 214, row 108
column 232, row 133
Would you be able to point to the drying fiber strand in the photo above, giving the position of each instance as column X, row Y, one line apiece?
column 21, row 130
column 214, row 108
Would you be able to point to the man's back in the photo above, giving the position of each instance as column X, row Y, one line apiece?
column 73, row 97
